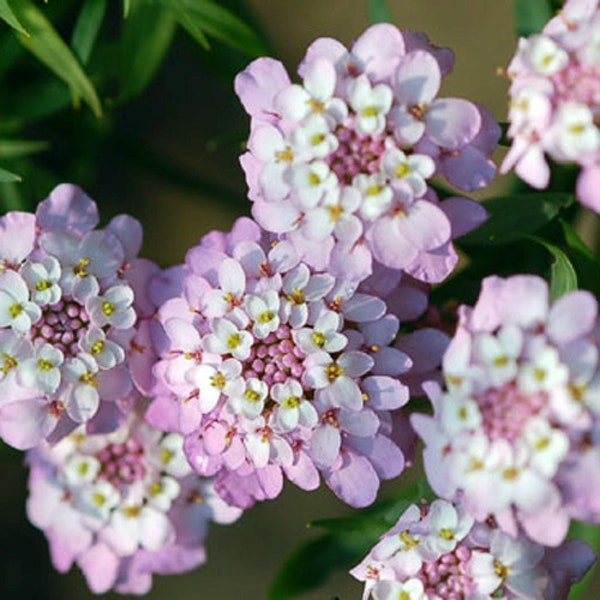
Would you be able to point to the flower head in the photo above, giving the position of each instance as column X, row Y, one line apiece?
column 555, row 100
column 75, row 296
column 516, row 422
column 287, row 381
column 122, row 505
column 344, row 156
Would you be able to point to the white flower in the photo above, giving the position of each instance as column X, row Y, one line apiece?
column 371, row 104
column 42, row 371
column 43, row 280
column 16, row 310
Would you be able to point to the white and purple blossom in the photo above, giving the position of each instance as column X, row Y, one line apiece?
column 438, row 551
column 507, row 432
column 106, row 501
column 73, row 294
column 287, row 382
column 345, row 156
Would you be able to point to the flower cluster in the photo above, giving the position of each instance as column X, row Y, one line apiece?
column 72, row 307
column 271, row 368
column 122, row 506
column 340, row 163
column 439, row 553
column 555, row 100
column 515, row 433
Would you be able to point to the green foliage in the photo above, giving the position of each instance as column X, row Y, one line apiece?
column 8, row 177
column 147, row 35
column 7, row 15
column 87, row 28
column 590, row 534
column 200, row 17
column 531, row 15
column 345, row 541
column 586, row 263
column 514, row 216
column 563, row 278
column 47, row 45
column 380, row 12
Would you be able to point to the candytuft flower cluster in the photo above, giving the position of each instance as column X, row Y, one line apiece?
column 555, row 100
column 72, row 305
column 438, row 551
column 514, row 432
column 122, row 505
column 272, row 368
column 343, row 159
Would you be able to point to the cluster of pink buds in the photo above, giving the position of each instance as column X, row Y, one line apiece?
column 341, row 161
column 515, row 433
column 270, row 368
column 438, row 552
column 72, row 313
column 122, row 505
column 555, row 100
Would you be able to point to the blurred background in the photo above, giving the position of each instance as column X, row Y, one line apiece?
column 168, row 155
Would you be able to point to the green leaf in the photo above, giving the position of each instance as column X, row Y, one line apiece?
column 590, row 534
column 6, row 14
column 204, row 16
column 586, row 263
column 34, row 103
column 513, row 216
column 531, row 15
column 380, row 12
column 8, row 177
column 45, row 43
column 19, row 148
column 147, row 36
column 312, row 563
column 126, row 8
column 563, row 278
column 87, row 27
column 344, row 543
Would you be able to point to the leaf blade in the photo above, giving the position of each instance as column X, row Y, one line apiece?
column 8, row 16
column 380, row 12
column 147, row 36
column 512, row 216
column 208, row 17
column 87, row 28
column 47, row 45
column 531, row 15
column 8, row 177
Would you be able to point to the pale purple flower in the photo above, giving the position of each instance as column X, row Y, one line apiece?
column 439, row 552
column 354, row 145
column 521, row 379
column 270, row 389
column 76, row 296
column 555, row 100
column 108, row 502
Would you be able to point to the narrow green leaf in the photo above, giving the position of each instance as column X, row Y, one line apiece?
column 345, row 541
column 148, row 32
column 87, row 28
column 586, row 263
column 33, row 103
column 312, row 563
column 45, row 43
column 531, row 15
column 7, row 14
column 590, row 534
column 512, row 216
column 380, row 12
column 8, row 177
column 126, row 8
column 205, row 16
column 186, row 19
column 563, row 278
column 19, row 148
column 12, row 197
